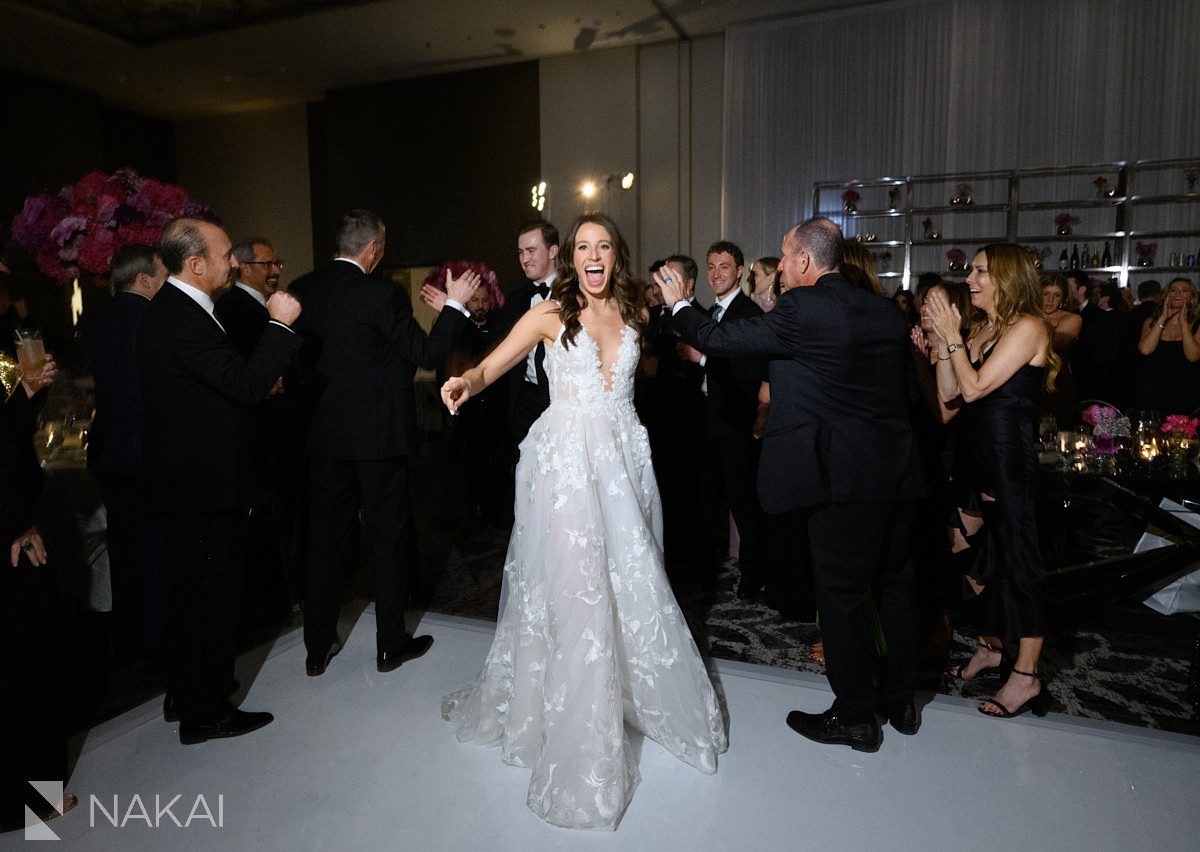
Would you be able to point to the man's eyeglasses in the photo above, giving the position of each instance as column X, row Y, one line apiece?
column 276, row 263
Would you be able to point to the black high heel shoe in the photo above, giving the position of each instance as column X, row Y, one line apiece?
column 1039, row 704
column 955, row 672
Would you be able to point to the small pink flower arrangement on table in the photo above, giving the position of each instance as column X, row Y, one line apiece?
column 1180, row 426
column 1108, row 425
column 850, row 196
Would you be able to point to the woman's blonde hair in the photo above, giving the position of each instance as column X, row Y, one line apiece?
column 1018, row 293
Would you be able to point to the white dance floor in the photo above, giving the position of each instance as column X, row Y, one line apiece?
column 357, row 760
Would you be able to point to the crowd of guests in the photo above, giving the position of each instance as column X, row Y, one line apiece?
column 220, row 399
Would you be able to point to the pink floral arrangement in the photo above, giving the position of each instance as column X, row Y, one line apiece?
column 1100, row 182
column 1108, row 425
column 1146, row 250
column 850, row 196
column 437, row 278
column 1066, row 219
column 927, row 221
column 956, row 256
column 81, row 226
column 1180, row 425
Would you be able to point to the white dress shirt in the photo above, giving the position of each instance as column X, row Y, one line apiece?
column 531, row 358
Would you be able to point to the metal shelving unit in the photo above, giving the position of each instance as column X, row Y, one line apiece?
column 996, row 212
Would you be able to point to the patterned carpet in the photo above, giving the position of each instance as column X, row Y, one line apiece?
column 1123, row 663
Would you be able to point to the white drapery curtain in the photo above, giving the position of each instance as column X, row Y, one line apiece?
column 940, row 86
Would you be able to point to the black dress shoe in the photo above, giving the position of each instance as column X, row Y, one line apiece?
column 904, row 719
column 828, row 728
column 232, row 724
column 416, row 646
column 314, row 666
column 170, row 711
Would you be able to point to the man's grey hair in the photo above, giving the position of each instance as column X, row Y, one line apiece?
column 244, row 251
column 180, row 240
column 358, row 227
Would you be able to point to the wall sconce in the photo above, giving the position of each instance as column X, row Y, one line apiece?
column 538, row 197
column 589, row 189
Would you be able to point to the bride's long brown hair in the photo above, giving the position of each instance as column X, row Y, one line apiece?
column 630, row 294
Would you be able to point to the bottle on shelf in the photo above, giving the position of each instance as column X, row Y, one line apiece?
column 1096, row 259
column 1074, row 255
column 1063, row 260
column 1106, row 260
column 1086, row 257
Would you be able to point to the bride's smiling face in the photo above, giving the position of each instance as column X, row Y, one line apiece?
column 594, row 258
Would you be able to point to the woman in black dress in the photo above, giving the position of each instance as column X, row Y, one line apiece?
column 998, row 373
column 33, row 729
column 1168, row 368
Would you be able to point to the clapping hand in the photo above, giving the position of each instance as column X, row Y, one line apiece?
column 919, row 340
column 671, row 286
column 945, row 318
column 461, row 289
column 433, row 297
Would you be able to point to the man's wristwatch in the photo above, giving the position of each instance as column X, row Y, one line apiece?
column 954, row 347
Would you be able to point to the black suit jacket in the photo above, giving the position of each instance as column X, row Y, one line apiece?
column 197, row 396
column 362, row 348
column 733, row 383
column 516, row 307
column 838, row 428
column 110, row 341
column 243, row 317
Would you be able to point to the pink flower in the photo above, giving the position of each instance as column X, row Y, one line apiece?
column 1180, row 425
column 850, row 196
column 32, row 226
column 96, row 253
column 161, row 200
column 1093, row 414
column 142, row 233
column 68, row 228
column 956, row 255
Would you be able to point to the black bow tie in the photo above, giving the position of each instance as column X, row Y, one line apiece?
column 542, row 290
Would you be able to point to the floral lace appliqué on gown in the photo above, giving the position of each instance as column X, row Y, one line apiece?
column 589, row 637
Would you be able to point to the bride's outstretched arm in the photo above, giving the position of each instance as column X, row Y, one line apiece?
column 540, row 323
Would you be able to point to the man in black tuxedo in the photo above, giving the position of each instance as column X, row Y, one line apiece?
column 679, row 440
column 280, row 472
column 731, row 401
column 137, row 570
column 198, row 393
column 243, row 307
column 362, row 348
column 838, row 446
column 528, row 388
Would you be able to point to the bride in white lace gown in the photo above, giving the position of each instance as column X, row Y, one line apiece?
column 590, row 639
